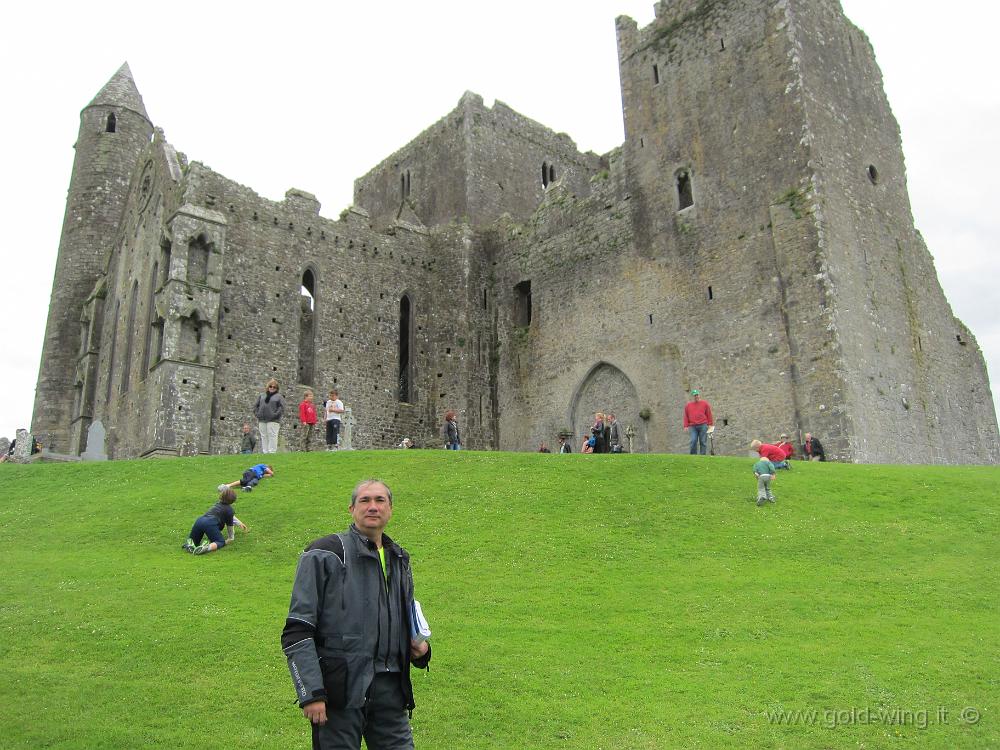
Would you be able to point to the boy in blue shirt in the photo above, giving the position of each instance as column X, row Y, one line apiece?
column 764, row 471
column 250, row 478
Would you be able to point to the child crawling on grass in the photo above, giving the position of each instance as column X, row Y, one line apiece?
column 250, row 478
column 764, row 471
column 211, row 524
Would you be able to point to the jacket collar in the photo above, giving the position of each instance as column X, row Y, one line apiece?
column 368, row 544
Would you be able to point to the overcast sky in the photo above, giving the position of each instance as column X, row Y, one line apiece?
column 312, row 95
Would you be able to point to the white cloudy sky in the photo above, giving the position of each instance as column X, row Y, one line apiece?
column 311, row 95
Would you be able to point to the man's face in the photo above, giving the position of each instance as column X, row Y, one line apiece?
column 695, row 397
column 372, row 509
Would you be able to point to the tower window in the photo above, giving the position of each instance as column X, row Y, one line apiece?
column 685, row 197
column 405, row 340
column 112, row 124
column 307, row 328
column 522, row 304
column 552, row 172
column 872, row 174
column 545, row 174
column 710, row 295
column 656, row 74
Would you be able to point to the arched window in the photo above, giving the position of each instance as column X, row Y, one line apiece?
column 112, row 124
column 129, row 339
column 545, row 174
column 405, row 349
column 147, row 350
column 307, row 328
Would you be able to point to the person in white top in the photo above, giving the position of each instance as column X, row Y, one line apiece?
column 334, row 409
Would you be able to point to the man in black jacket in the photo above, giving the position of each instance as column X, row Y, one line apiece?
column 348, row 633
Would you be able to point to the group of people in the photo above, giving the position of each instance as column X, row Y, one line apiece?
column 605, row 436
column 270, row 408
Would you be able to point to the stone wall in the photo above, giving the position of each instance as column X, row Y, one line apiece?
column 752, row 238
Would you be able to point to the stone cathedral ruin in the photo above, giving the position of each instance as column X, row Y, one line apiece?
column 752, row 236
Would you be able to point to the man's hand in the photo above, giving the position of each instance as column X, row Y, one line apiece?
column 315, row 712
column 418, row 649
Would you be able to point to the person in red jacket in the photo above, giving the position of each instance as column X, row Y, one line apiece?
column 307, row 416
column 697, row 420
column 786, row 446
column 772, row 453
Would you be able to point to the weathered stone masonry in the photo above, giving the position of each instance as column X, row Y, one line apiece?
column 752, row 236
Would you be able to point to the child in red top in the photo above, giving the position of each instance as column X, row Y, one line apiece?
column 307, row 416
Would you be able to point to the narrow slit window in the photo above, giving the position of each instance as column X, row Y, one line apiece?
column 710, row 295
column 405, row 349
column 522, row 304
column 685, row 196
column 129, row 339
column 656, row 74
column 112, row 124
column 545, row 174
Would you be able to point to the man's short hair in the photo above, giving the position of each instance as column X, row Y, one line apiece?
column 364, row 483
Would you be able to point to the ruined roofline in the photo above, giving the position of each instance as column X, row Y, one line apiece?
column 470, row 100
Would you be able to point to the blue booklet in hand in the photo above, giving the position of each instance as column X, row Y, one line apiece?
column 419, row 629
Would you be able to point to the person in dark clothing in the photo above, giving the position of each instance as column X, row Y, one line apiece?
column 350, row 636
column 211, row 523
column 813, row 449
column 452, row 437
column 564, row 446
column 599, row 431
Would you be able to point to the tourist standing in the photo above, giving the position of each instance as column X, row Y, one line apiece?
column 615, row 434
column 269, row 410
column 453, row 439
column 599, row 433
column 307, row 416
column 697, row 419
column 334, row 409
column 349, row 637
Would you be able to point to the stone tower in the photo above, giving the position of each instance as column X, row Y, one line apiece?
column 114, row 131
column 766, row 173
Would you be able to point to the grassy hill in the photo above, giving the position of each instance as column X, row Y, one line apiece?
column 576, row 602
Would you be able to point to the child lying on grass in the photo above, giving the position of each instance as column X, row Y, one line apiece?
column 250, row 478
column 211, row 523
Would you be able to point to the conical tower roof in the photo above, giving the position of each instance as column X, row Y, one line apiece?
column 121, row 91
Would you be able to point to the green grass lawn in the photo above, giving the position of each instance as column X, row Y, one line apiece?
column 576, row 601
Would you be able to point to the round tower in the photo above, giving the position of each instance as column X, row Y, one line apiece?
column 114, row 132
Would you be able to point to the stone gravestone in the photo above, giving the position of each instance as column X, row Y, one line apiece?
column 95, row 443
column 4, row 446
column 22, row 451
column 346, row 428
